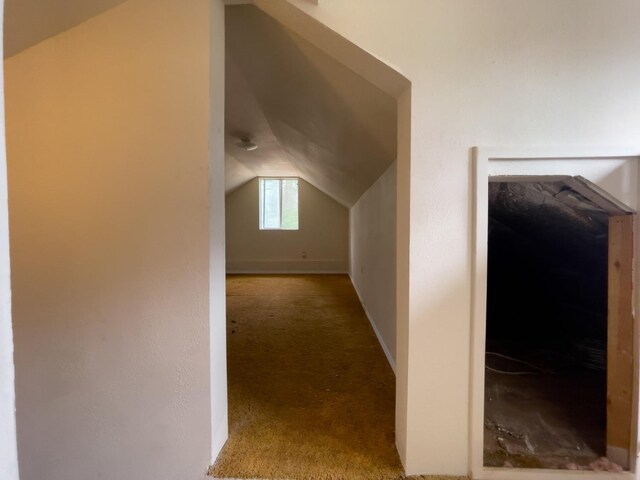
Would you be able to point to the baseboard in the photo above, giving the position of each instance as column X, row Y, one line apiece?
column 284, row 266
column 390, row 359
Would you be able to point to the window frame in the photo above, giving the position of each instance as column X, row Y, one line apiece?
column 261, row 191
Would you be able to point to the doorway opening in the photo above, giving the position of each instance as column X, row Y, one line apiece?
column 559, row 385
column 311, row 303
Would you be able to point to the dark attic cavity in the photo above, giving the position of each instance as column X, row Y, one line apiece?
column 547, row 265
column 545, row 390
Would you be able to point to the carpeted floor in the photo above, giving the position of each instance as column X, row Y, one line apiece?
column 311, row 394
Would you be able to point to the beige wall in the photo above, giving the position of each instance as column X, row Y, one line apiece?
column 107, row 128
column 323, row 234
column 372, row 225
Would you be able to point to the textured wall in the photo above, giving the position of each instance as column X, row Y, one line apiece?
column 491, row 73
column 323, row 234
column 108, row 131
column 373, row 257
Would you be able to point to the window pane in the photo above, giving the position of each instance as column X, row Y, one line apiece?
column 270, row 203
column 290, row 204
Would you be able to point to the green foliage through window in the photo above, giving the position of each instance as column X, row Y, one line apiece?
column 278, row 204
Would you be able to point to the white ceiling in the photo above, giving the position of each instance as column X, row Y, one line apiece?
column 28, row 22
column 310, row 115
column 244, row 118
column 235, row 173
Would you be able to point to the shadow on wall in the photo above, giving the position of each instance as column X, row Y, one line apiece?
column 108, row 192
column 621, row 180
column 435, row 354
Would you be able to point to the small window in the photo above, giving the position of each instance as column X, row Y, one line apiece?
column 278, row 204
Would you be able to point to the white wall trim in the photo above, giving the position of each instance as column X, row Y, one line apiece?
column 541, row 474
column 218, row 390
column 375, row 329
column 482, row 159
column 9, row 469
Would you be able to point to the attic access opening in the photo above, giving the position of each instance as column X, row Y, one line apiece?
column 559, row 332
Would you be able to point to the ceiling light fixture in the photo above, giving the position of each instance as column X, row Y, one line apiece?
column 247, row 145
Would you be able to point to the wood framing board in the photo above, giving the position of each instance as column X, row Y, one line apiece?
column 620, row 344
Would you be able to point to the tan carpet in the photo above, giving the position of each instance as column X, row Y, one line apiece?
column 311, row 394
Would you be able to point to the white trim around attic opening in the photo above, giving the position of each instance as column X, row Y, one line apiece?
column 482, row 159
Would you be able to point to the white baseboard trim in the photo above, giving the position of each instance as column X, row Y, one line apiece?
column 282, row 272
column 287, row 267
column 375, row 329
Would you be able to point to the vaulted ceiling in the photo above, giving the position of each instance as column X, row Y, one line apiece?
column 310, row 115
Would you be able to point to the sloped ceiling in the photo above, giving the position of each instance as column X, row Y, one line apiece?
column 28, row 22
column 235, row 173
column 310, row 115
